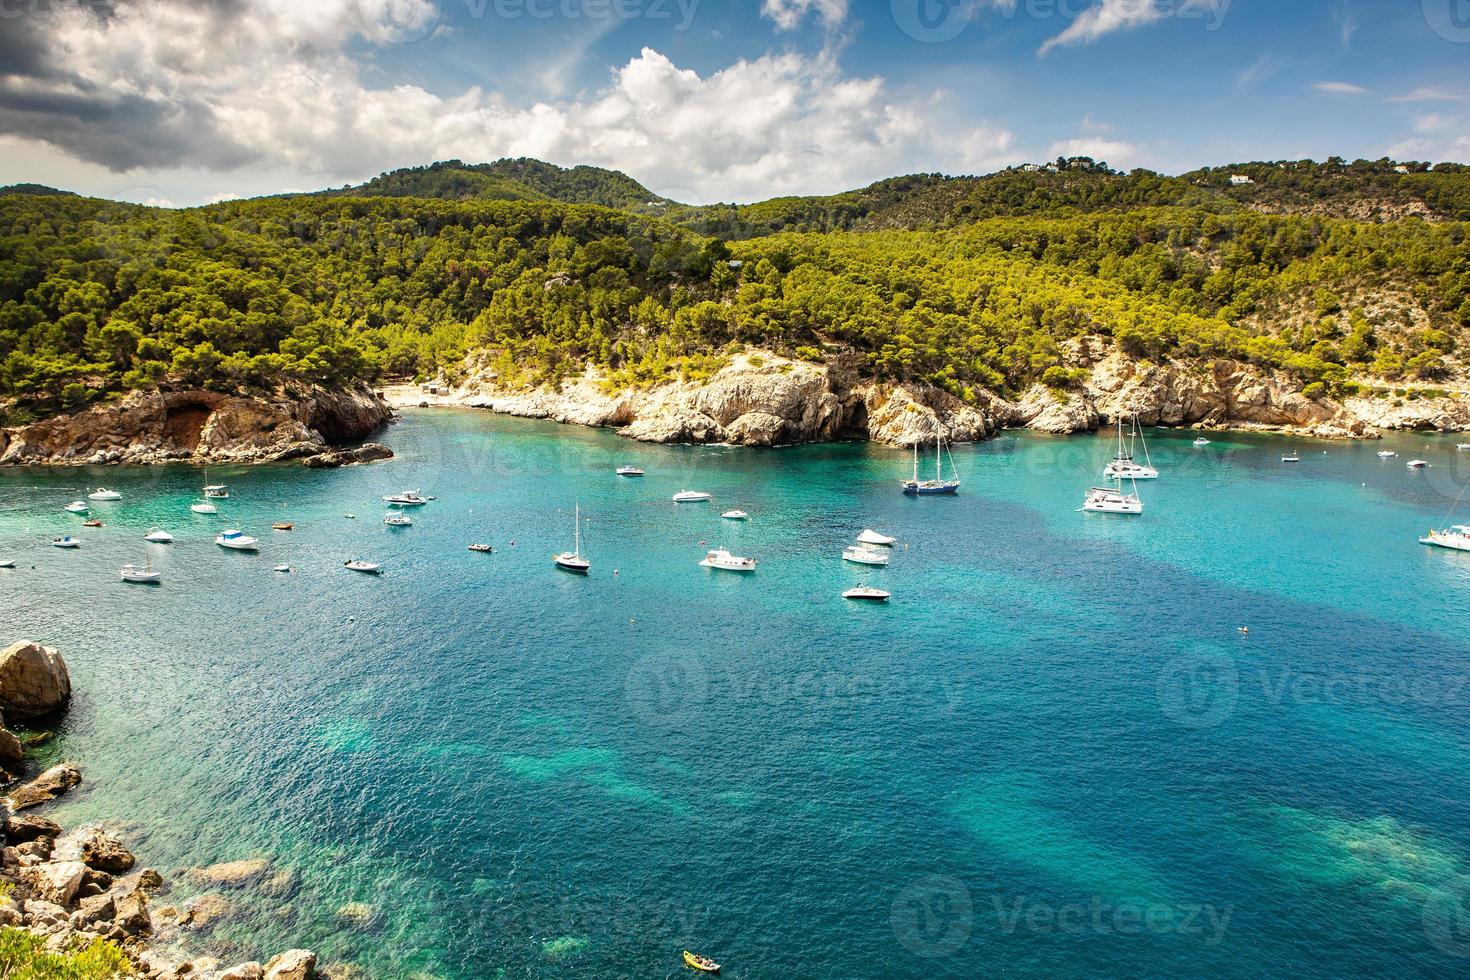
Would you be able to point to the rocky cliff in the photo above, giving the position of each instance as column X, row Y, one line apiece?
column 195, row 425
column 761, row 399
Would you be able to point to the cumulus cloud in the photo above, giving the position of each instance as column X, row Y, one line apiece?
column 788, row 14
column 273, row 85
column 1105, row 18
column 1340, row 88
column 1117, row 153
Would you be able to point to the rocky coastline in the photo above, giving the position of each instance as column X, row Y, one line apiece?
column 192, row 425
column 71, row 888
column 762, row 399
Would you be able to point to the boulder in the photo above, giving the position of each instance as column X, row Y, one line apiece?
column 96, row 849
column 11, row 749
column 29, row 827
column 34, row 682
column 130, row 906
column 231, row 874
column 282, row 884
column 208, row 909
column 294, row 964
column 98, row 908
column 244, row 971
column 55, row 882
column 43, row 914
column 46, row 787
column 359, row 915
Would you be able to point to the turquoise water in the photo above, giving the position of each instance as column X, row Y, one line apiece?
column 1053, row 754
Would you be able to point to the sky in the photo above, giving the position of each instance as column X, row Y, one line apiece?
column 184, row 102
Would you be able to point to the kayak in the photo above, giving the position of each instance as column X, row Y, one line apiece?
column 701, row 963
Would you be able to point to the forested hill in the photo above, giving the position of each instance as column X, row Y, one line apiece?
column 510, row 180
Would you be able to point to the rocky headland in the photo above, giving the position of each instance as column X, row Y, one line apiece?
column 296, row 422
column 73, row 887
column 763, row 399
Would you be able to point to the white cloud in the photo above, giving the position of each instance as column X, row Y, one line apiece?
column 1340, row 88
column 788, row 14
column 1117, row 153
column 223, row 196
column 174, row 86
column 1105, row 18
column 1428, row 93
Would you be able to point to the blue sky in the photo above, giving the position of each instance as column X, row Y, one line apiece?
column 183, row 101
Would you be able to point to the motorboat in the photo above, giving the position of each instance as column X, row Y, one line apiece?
column 692, row 497
column 283, row 526
column 77, row 507
column 1291, row 457
column 204, row 508
column 408, row 498
column 870, row 536
column 141, row 574
column 939, row 486
column 217, row 492
column 237, row 541
column 723, row 560
column 864, row 594
column 365, row 567
column 1456, row 538
column 1417, row 464
column 158, row 537
column 101, row 493
column 629, row 471
column 1201, row 442
column 1112, row 500
column 398, row 520
column 65, row 541
column 93, row 522
column 572, row 561
column 7, row 562
column 1388, row 454
column 1123, row 464
column 1463, row 446
column 735, row 515
column 863, row 555
column 482, row 549
column 283, row 569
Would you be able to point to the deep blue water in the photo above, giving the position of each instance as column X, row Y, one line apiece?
column 1053, row 754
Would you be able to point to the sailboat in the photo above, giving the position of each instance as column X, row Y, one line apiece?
column 939, row 485
column 1112, row 500
column 572, row 561
column 1123, row 465
column 141, row 574
column 214, row 491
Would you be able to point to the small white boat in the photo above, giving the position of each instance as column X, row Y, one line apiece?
column 482, row 549
column 398, row 520
column 65, row 541
column 77, row 507
column 1463, row 446
column 572, row 561
column 237, row 541
column 1291, row 457
column 365, row 567
column 735, row 515
column 691, row 497
column 7, row 562
column 1112, row 500
column 863, row 555
column 158, row 537
column 722, row 559
column 141, row 574
column 864, row 594
column 1201, row 442
column 101, row 493
column 408, row 498
column 1388, row 454
column 870, row 536
column 217, row 492
column 1456, row 538
column 1416, row 464
column 283, row 569
column 204, row 508
column 629, row 471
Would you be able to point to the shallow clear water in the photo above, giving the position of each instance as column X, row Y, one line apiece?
column 1051, row 755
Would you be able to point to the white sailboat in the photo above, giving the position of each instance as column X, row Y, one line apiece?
column 365, row 567
column 398, row 520
column 938, row 486
column 1112, row 500
column 215, row 491
column 862, row 554
column 1124, row 465
column 572, row 561
column 1456, row 538
column 141, row 574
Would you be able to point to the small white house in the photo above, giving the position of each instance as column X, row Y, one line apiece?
column 1401, row 169
column 1240, row 180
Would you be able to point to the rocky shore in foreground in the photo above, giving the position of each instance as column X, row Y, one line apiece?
column 74, row 887
column 294, row 422
column 763, row 399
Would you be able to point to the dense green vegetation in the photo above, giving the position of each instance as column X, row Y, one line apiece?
column 510, row 180
column 23, row 956
column 97, row 297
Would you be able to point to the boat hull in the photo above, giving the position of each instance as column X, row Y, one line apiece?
column 573, row 565
column 1453, row 544
column 912, row 489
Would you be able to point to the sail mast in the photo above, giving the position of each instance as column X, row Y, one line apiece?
column 577, row 534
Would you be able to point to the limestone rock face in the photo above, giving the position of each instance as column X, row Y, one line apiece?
column 46, row 787
column 55, row 882
column 294, row 964
column 34, row 682
column 199, row 425
column 1063, row 413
